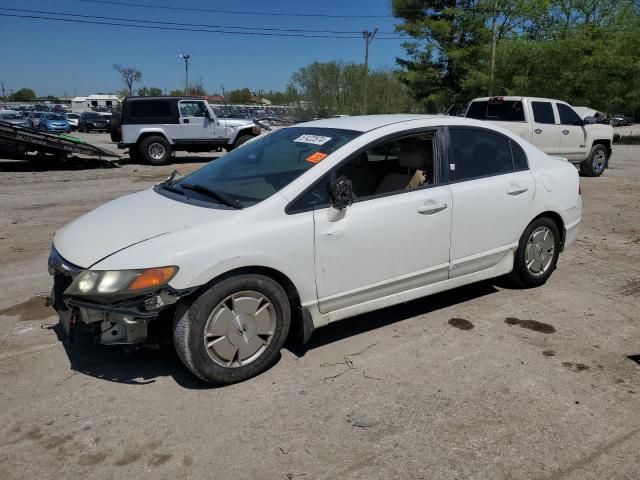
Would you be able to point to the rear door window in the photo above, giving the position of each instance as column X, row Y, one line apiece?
column 543, row 112
column 567, row 115
column 476, row 153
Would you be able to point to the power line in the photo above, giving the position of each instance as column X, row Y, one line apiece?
column 159, row 22
column 234, row 12
column 159, row 27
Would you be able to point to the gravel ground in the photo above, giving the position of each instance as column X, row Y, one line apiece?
column 480, row 382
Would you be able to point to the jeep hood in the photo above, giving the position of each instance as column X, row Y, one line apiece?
column 124, row 222
column 235, row 122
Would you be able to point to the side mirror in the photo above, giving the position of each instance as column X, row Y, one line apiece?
column 341, row 193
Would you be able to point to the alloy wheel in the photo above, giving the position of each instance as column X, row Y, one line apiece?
column 156, row 151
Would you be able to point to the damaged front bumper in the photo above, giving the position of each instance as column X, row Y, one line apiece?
column 122, row 322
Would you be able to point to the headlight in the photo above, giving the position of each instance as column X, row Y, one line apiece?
column 104, row 282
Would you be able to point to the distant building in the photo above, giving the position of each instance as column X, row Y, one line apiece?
column 83, row 104
column 214, row 99
column 260, row 100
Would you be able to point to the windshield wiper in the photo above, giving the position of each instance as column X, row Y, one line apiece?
column 220, row 197
column 170, row 181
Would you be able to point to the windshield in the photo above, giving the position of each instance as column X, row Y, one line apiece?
column 93, row 116
column 10, row 116
column 267, row 164
column 55, row 116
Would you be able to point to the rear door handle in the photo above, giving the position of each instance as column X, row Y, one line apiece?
column 515, row 191
column 431, row 209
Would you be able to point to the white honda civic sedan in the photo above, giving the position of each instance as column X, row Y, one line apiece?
column 308, row 225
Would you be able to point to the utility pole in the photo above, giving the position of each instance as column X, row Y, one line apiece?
column 185, row 56
column 494, row 41
column 4, row 99
column 368, row 38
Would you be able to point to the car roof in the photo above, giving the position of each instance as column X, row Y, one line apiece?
column 364, row 123
column 509, row 98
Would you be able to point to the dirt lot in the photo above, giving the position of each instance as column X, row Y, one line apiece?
column 481, row 382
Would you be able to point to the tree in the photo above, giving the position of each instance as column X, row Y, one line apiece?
column 176, row 92
column 242, row 96
column 24, row 95
column 197, row 89
column 149, row 92
column 129, row 76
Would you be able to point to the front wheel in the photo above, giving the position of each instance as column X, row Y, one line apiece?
column 234, row 330
column 537, row 253
column 596, row 162
column 155, row 150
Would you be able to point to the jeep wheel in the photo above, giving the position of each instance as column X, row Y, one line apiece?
column 234, row 330
column 242, row 139
column 596, row 163
column 155, row 150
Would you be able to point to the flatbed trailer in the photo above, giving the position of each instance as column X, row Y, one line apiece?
column 20, row 141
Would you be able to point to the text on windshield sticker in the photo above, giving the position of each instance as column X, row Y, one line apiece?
column 312, row 139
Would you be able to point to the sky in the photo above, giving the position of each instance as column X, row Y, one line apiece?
column 55, row 58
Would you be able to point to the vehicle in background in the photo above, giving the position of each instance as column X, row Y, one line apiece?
column 107, row 116
column 621, row 120
column 309, row 225
column 34, row 118
column 153, row 127
column 551, row 125
column 92, row 121
column 14, row 118
column 72, row 118
column 54, row 123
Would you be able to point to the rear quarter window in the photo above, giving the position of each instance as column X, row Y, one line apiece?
column 497, row 110
column 150, row 109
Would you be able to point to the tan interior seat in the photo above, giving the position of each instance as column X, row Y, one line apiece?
column 412, row 157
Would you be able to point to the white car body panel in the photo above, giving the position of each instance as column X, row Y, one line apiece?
column 375, row 253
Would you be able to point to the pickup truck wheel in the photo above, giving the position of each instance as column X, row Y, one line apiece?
column 234, row 330
column 242, row 139
column 155, row 150
column 596, row 163
column 537, row 253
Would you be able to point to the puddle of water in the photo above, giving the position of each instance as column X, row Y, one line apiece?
column 33, row 309
column 461, row 323
column 531, row 325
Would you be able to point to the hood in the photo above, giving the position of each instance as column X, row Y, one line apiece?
column 127, row 221
column 235, row 122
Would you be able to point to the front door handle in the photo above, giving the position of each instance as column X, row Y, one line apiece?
column 538, row 131
column 515, row 191
column 432, row 208
column 566, row 132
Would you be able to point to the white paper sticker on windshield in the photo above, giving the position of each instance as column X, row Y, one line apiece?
column 312, row 139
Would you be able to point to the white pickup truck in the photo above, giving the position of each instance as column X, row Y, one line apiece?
column 551, row 125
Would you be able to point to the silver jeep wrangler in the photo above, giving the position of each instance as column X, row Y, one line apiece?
column 154, row 127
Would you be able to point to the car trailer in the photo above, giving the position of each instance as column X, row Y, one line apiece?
column 19, row 141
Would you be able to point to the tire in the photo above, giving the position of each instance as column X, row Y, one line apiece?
column 228, row 363
column 532, row 276
column 596, row 162
column 155, row 150
column 242, row 139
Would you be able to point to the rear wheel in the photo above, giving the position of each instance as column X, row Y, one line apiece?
column 155, row 150
column 537, row 253
column 596, row 163
column 234, row 330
